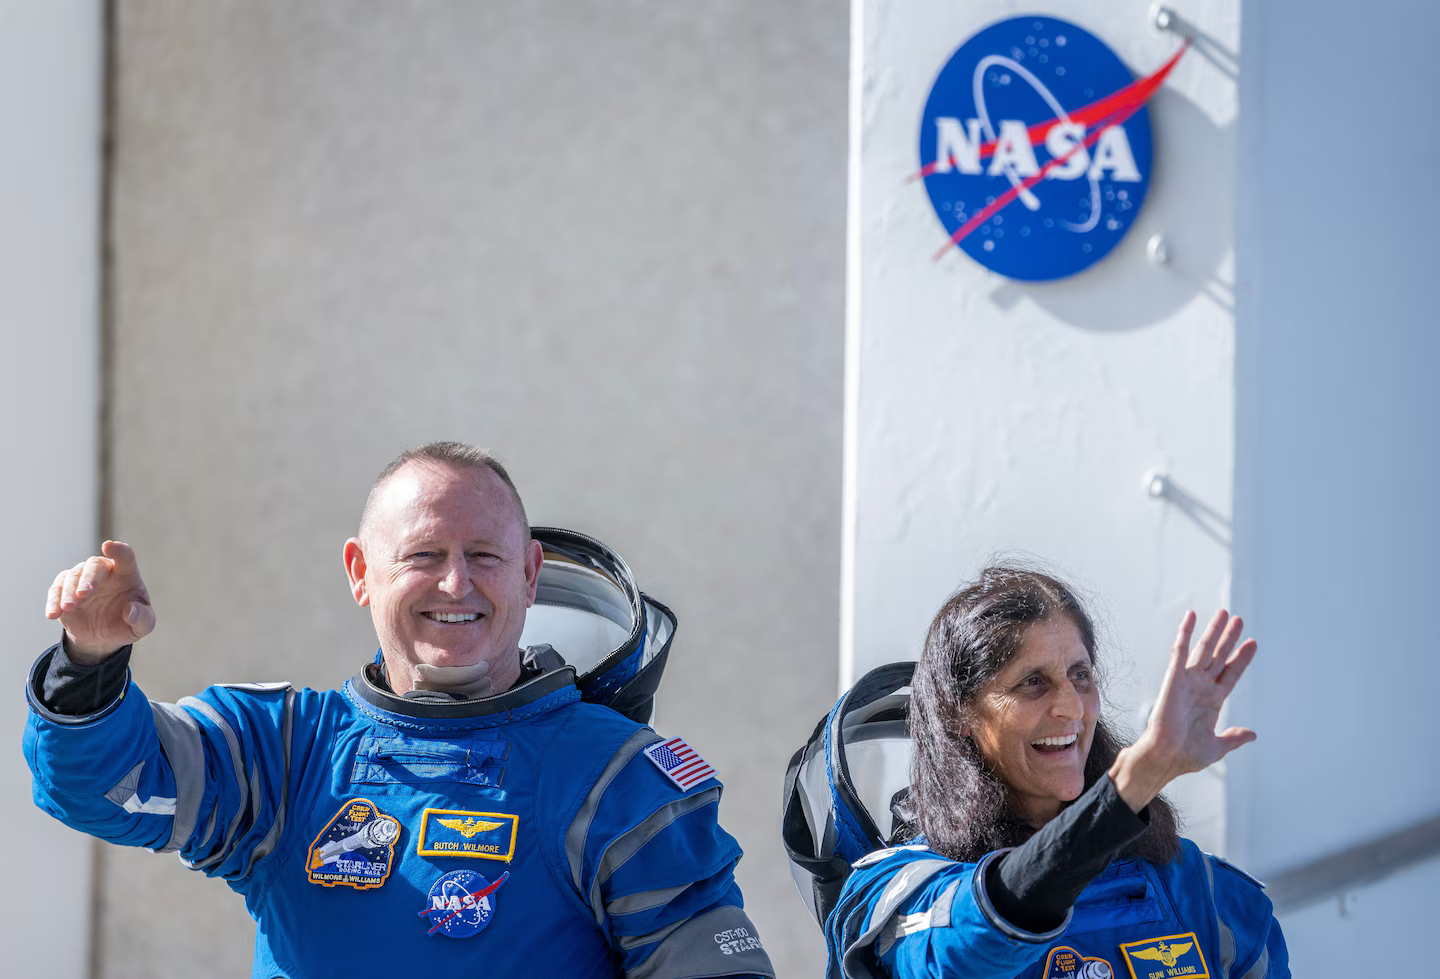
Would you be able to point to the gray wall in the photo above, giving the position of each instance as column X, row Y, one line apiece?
column 50, row 96
column 605, row 239
column 1337, row 460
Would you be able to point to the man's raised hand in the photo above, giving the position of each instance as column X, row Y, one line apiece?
column 102, row 603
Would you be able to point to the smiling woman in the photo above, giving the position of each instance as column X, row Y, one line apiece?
column 1040, row 845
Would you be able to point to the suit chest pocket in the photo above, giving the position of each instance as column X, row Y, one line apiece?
column 1120, row 898
column 394, row 757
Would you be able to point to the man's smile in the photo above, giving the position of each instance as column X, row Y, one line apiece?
column 451, row 616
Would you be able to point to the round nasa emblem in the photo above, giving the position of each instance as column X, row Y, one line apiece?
column 461, row 903
column 1035, row 147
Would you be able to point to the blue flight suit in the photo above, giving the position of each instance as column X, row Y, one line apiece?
column 524, row 834
column 908, row 912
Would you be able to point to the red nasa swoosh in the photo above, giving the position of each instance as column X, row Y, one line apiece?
column 1112, row 110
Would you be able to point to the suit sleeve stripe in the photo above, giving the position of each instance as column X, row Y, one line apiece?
column 935, row 916
column 644, row 900
column 182, row 742
column 272, row 838
column 1222, row 930
column 1261, row 968
column 237, row 768
column 580, row 827
column 625, row 846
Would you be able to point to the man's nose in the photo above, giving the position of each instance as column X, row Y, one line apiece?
column 456, row 581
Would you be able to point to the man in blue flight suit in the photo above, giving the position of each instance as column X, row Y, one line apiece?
column 456, row 806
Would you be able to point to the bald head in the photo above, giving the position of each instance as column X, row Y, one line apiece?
column 457, row 456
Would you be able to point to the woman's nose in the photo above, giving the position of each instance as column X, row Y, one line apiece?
column 1068, row 703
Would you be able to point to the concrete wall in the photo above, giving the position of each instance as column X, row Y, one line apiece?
column 50, row 108
column 604, row 239
column 1337, row 457
column 988, row 416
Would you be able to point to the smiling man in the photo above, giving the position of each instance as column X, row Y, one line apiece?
column 456, row 803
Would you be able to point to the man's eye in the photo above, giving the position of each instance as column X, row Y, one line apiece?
column 1032, row 681
column 423, row 555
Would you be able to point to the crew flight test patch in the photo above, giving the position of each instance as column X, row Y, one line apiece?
column 355, row 849
column 1065, row 962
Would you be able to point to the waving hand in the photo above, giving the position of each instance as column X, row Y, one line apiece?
column 102, row 603
column 1181, row 735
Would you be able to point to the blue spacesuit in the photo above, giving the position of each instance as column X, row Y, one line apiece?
column 523, row 834
column 908, row 912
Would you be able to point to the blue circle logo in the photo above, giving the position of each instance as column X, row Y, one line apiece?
column 1035, row 147
column 461, row 903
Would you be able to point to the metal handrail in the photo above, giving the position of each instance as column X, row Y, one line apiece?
column 1345, row 870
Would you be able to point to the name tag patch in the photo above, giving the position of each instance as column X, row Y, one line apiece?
column 1065, row 962
column 462, row 833
column 1170, row 957
column 355, row 849
column 461, row 903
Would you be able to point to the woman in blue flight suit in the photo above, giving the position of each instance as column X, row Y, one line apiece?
column 1043, row 848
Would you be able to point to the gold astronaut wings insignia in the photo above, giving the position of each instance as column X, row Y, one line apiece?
column 1165, row 954
column 471, row 827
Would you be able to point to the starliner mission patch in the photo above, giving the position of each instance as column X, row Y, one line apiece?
column 355, row 849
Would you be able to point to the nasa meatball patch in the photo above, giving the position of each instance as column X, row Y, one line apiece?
column 1066, row 963
column 461, row 903
column 355, row 849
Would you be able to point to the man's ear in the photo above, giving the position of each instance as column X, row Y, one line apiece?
column 355, row 571
column 534, row 557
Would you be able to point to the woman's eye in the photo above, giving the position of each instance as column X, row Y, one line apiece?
column 1032, row 681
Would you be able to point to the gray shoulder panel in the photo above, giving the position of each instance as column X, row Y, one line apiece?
column 721, row 942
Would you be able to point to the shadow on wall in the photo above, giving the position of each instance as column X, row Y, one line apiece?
column 1190, row 204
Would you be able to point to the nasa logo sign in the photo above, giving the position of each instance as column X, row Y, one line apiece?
column 1035, row 147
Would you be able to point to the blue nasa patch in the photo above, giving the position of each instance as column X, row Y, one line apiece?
column 461, row 903
column 1035, row 147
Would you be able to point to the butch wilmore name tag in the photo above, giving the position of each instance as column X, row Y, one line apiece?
column 464, row 833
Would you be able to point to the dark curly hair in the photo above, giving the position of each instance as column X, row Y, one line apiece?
column 956, row 801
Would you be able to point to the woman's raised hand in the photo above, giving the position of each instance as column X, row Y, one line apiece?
column 1180, row 736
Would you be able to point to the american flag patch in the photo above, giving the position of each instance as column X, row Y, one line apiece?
column 679, row 762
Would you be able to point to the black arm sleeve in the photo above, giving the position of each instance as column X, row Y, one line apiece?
column 1034, row 885
column 74, row 689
